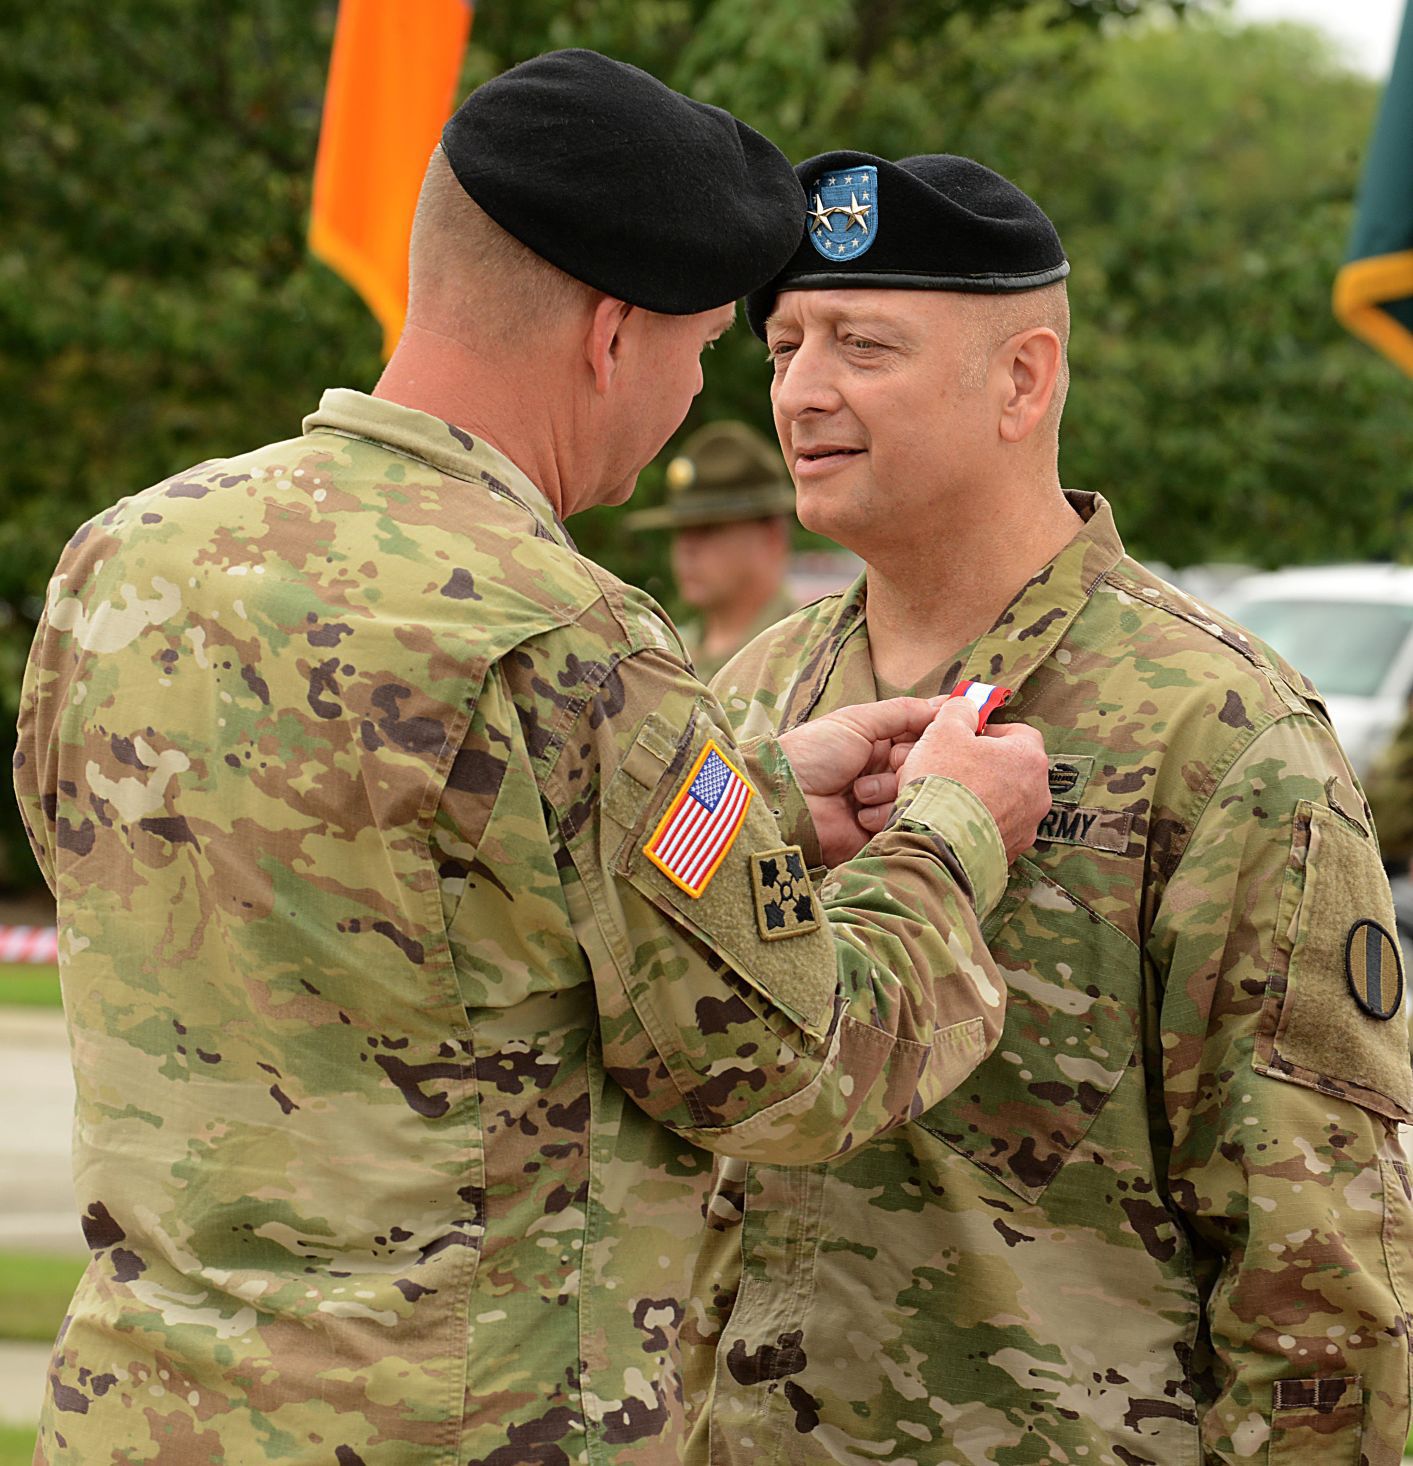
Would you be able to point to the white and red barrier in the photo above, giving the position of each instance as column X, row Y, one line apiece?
column 29, row 944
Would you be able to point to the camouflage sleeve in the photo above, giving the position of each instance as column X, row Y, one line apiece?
column 769, row 770
column 979, row 861
column 1285, row 1074
column 743, row 1008
column 31, row 748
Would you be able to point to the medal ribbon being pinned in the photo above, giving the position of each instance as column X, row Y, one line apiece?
column 983, row 697
column 705, row 816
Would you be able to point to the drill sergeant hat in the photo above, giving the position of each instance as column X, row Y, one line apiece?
column 628, row 186
column 933, row 222
column 726, row 472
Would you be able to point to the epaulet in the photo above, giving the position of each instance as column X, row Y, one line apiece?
column 1292, row 687
column 641, row 621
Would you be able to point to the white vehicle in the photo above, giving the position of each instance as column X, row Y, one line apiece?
column 1349, row 628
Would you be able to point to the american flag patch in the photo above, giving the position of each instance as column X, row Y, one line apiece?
column 706, row 815
column 983, row 697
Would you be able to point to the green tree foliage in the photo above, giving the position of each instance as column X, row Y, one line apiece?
column 1204, row 186
column 158, row 305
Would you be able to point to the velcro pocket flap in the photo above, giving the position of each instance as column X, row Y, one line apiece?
column 1335, row 969
column 797, row 977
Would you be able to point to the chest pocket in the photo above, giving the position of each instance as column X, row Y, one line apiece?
column 1071, row 1030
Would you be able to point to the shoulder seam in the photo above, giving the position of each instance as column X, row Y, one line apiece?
column 1242, row 647
column 573, row 709
column 1292, row 690
column 1236, row 750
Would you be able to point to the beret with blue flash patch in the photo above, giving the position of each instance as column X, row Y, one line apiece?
column 932, row 222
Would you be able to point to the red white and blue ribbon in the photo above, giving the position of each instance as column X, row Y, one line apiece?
column 705, row 816
column 983, row 697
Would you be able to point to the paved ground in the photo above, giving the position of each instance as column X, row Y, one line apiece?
column 37, row 1211
column 21, row 1381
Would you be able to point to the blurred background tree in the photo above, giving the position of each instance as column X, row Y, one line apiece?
column 158, row 305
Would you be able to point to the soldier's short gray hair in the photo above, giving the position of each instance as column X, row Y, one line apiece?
column 470, row 278
column 990, row 320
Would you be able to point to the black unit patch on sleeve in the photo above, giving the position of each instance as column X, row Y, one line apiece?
column 786, row 905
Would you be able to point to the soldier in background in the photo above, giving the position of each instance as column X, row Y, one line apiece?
column 420, row 916
column 730, row 508
column 1168, row 1220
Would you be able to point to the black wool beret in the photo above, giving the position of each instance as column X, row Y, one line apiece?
column 934, row 222
column 621, row 182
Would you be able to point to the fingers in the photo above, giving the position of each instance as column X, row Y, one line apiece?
column 876, row 788
column 879, row 763
column 955, row 715
column 875, row 817
column 1021, row 732
column 895, row 717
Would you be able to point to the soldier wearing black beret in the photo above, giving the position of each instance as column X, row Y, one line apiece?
column 934, row 222
column 1168, row 1219
column 415, row 887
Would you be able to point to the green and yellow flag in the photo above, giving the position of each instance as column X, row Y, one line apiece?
column 392, row 84
column 1373, row 292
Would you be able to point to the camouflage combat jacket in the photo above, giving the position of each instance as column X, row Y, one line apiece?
column 393, row 1048
column 1168, row 1220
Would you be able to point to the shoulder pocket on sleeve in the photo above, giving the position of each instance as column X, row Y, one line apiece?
column 1335, row 1018
column 721, row 873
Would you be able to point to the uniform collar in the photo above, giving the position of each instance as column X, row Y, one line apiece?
column 440, row 445
column 1028, row 631
column 1025, row 634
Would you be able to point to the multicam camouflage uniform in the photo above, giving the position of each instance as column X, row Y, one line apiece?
column 1168, row 1220
column 389, row 1040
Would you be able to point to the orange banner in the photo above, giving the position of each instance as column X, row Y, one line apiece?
column 392, row 85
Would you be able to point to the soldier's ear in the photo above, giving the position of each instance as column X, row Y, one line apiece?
column 1031, row 363
column 602, row 341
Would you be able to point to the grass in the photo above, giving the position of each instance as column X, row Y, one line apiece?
column 29, row 985
column 34, row 1294
column 16, row 1445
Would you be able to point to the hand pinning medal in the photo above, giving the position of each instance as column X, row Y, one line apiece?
column 985, row 698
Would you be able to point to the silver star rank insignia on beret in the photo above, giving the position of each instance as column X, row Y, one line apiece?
column 857, row 213
column 847, row 195
column 786, row 905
